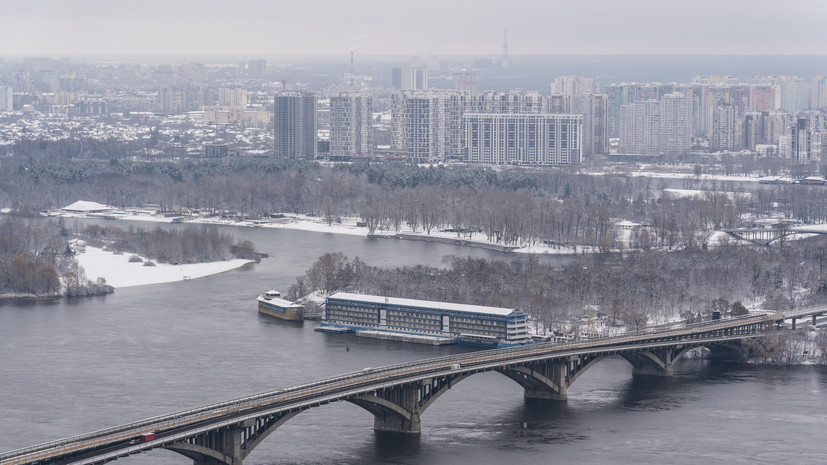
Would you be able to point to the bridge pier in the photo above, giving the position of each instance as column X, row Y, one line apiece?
column 396, row 424
column 655, row 363
column 549, row 382
column 794, row 320
column 219, row 447
column 231, row 444
column 399, row 409
column 399, row 413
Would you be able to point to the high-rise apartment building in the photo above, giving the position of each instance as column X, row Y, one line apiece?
column 6, row 99
column 800, row 144
column 523, row 139
column 762, row 98
column 256, row 68
column 712, row 97
column 294, row 121
column 351, row 125
column 818, row 89
column 795, row 93
column 619, row 95
column 627, row 93
column 425, row 126
column 754, row 130
column 776, row 125
column 234, row 98
column 505, row 102
column 429, row 126
column 725, row 127
column 572, row 85
column 784, row 149
column 410, row 78
column 654, row 127
column 594, row 110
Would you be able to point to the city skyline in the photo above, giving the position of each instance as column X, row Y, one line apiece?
column 252, row 27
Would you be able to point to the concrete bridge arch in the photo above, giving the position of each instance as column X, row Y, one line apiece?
column 399, row 409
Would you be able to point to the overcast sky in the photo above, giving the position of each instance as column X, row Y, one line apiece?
column 424, row 27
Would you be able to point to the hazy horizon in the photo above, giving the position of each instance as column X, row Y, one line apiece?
column 249, row 28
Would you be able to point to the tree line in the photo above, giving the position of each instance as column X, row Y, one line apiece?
column 631, row 289
column 37, row 255
column 192, row 244
column 511, row 206
column 36, row 259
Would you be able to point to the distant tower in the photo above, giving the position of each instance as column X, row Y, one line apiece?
column 256, row 68
column 506, row 62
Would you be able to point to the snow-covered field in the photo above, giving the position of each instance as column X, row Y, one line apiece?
column 119, row 272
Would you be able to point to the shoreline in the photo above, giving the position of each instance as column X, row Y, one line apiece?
column 447, row 240
column 348, row 226
column 29, row 297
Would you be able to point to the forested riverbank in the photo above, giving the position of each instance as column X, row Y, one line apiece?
column 508, row 205
column 38, row 255
column 608, row 293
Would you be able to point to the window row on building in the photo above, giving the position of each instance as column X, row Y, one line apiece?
column 505, row 326
column 523, row 139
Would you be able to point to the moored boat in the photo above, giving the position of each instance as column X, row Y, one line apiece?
column 271, row 303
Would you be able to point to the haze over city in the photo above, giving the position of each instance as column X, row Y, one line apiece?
column 430, row 27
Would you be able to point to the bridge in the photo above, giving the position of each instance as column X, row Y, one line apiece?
column 766, row 236
column 397, row 395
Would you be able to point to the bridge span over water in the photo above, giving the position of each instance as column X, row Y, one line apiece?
column 397, row 395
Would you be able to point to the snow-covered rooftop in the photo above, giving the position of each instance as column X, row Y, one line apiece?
column 86, row 207
column 500, row 311
column 279, row 302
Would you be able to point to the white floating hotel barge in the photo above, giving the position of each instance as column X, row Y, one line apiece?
column 433, row 321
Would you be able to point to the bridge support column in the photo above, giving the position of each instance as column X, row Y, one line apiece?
column 403, row 416
column 794, row 320
column 814, row 320
column 398, row 409
column 229, row 445
column 658, row 363
column 396, row 424
column 219, row 447
column 555, row 373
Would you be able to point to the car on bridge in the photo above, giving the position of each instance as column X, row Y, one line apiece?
column 146, row 437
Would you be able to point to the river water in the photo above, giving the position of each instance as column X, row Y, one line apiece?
column 71, row 366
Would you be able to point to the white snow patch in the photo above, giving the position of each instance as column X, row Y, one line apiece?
column 119, row 272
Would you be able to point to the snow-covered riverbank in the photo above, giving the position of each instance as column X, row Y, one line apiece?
column 120, row 272
column 350, row 226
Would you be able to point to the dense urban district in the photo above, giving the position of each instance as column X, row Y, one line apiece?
column 635, row 181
